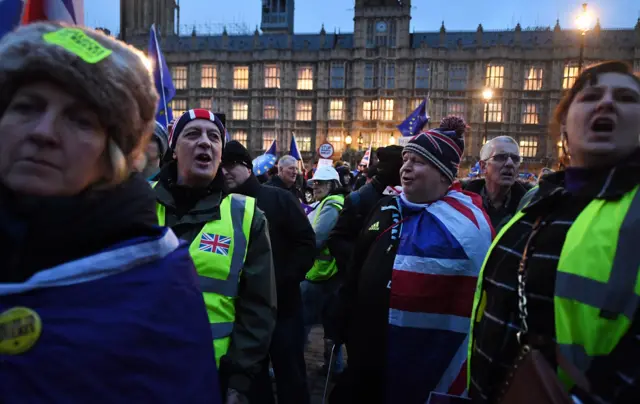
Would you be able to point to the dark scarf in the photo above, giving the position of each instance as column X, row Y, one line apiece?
column 578, row 180
column 38, row 233
column 185, row 197
column 251, row 187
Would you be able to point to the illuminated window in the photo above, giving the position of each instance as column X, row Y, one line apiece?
column 386, row 110
column 495, row 111
column 378, row 140
column 241, row 77
column 270, row 110
column 208, row 76
column 422, row 75
column 179, row 76
column 336, row 109
column 179, row 107
column 378, row 110
column 337, row 74
column 457, row 77
column 528, row 146
column 304, row 110
column 240, row 136
column 304, row 142
column 415, row 103
column 495, row 76
column 206, row 103
column 533, row 79
column 305, row 78
column 268, row 136
column 455, row 108
column 569, row 76
column 271, row 76
column 336, row 138
column 530, row 114
column 240, row 110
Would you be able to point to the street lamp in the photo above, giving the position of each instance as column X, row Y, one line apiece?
column 392, row 140
column 584, row 23
column 348, row 140
column 360, row 142
column 487, row 94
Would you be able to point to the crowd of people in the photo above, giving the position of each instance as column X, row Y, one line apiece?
column 151, row 264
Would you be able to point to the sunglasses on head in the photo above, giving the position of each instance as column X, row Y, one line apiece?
column 503, row 157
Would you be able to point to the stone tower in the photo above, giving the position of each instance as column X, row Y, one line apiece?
column 382, row 23
column 142, row 13
column 277, row 16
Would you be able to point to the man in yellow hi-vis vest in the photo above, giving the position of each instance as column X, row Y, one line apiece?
column 230, row 248
column 320, row 286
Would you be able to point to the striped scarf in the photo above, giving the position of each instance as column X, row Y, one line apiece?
column 441, row 249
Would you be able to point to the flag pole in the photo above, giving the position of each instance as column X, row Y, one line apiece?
column 160, row 67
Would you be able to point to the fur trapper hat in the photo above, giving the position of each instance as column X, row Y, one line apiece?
column 109, row 75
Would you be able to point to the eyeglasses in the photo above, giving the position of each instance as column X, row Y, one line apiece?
column 503, row 157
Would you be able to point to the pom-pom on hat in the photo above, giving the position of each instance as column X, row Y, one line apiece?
column 192, row 115
column 110, row 76
column 442, row 147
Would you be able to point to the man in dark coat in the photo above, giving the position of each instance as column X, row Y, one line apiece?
column 500, row 191
column 293, row 245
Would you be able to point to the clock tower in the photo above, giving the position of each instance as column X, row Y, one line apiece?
column 382, row 23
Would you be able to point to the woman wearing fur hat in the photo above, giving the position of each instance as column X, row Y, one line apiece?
column 229, row 244
column 97, row 303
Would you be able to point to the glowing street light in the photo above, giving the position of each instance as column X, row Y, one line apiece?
column 487, row 94
column 584, row 22
column 348, row 140
column 392, row 140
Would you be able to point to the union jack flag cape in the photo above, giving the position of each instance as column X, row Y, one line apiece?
column 441, row 249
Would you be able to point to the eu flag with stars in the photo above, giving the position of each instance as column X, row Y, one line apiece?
column 162, row 79
column 10, row 12
column 415, row 121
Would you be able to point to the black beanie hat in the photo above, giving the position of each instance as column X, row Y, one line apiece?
column 235, row 152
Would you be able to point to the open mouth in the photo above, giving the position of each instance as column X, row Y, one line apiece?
column 203, row 158
column 603, row 125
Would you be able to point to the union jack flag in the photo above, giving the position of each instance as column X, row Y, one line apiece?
column 215, row 243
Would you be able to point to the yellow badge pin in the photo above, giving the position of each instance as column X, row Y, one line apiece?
column 20, row 329
column 77, row 42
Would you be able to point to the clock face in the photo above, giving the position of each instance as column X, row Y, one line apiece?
column 381, row 26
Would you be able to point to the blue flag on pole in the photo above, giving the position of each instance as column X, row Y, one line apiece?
column 162, row 79
column 10, row 13
column 272, row 149
column 416, row 120
column 293, row 149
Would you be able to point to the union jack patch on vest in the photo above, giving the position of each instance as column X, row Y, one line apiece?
column 215, row 243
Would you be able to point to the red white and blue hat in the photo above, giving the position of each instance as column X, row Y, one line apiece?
column 192, row 115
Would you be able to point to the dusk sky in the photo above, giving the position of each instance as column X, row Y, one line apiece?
column 427, row 14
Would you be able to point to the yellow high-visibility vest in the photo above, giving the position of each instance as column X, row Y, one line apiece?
column 325, row 266
column 597, row 289
column 219, row 252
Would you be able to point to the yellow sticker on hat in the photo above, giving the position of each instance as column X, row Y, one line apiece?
column 77, row 42
column 20, row 329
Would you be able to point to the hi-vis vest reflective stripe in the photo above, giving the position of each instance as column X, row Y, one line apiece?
column 219, row 252
column 597, row 284
column 325, row 266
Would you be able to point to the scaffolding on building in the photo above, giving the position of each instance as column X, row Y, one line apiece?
column 216, row 28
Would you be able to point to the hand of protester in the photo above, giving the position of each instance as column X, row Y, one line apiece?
column 234, row 397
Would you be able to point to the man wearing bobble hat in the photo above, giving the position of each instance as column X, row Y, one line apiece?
column 410, row 284
column 229, row 244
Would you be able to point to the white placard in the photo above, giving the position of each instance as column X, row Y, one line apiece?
column 325, row 162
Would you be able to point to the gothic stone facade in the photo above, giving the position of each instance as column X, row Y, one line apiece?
column 339, row 87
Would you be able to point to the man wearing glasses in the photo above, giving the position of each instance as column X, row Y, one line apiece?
column 501, row 192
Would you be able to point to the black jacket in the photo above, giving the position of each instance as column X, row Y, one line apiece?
column 293, row 241
column 357, row 207
column 361, row 317
column 498, row 216
column 276, row 181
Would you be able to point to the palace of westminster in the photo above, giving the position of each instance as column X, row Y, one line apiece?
column 352, row 89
